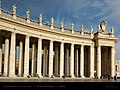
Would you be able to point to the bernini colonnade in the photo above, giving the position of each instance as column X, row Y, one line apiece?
column 45, row 50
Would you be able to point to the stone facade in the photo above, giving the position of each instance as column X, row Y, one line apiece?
column 46, row 50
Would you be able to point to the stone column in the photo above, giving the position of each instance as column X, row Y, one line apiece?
column 56, row 60
column 6, row 52
column 92, row 61
column 72, row 60
column 33, row 68
column 76, row 61
column 39, row 57
column 51, row 58
column 0, row 55
column 45, row 61
column 61, row 59
column 82, row 61
column 98, row 61
column 112, row 61
column 26, row 57
column 67, row 62
column 20, row 69
column 12, row 60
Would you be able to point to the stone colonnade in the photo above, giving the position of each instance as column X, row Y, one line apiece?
column 49, row 57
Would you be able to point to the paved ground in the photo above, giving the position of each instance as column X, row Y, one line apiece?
column 46, row 79
column 58, row 82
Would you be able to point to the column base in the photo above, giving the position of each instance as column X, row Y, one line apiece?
column 32, row 75
column 92, row 77
column 82, row 76
column 19, row 75
column 76, row 75
column 112, row 77
column 72, row 76
column 51, row 76
column 39, row 76
column 98, row 77
column 5, row 74
column 62, row 76
column 12, row 75
column 26, row 75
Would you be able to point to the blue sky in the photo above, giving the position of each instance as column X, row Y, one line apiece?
column 86, row 12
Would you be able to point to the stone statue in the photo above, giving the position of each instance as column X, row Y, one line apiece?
column 40, row 18
column 112, row 30
column 103, row 26
column 62, row 24
column 82, row 28
column 91, row 29
column 28, row 14
column 0, row 4
column 14, row 9
column 72, row 25
column 99, row 29
column 52, row 21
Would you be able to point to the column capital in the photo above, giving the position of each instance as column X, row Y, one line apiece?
column 40, row 37
column 82, row 44
column 62, row 42
column 113, row 46
column 99, row 45
column 51, row 40
column 72, row 43
column 92, row 45
column 28, row 36
column 13, row 32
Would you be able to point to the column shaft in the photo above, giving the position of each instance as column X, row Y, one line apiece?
column 61, row 59
column 92, row 61
column 39, row 57
column 0, row 55
column 67, row 62
column 72, row 61
column 6, row 52
column 98, row 62
column 33, row 69
column 26, row 57
column 12, row 60
column 45, row 61
column 82, row 61
column 51, row 59
column 20, row 69
column 76, row 62
column 56, row 60
column 112, row 61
